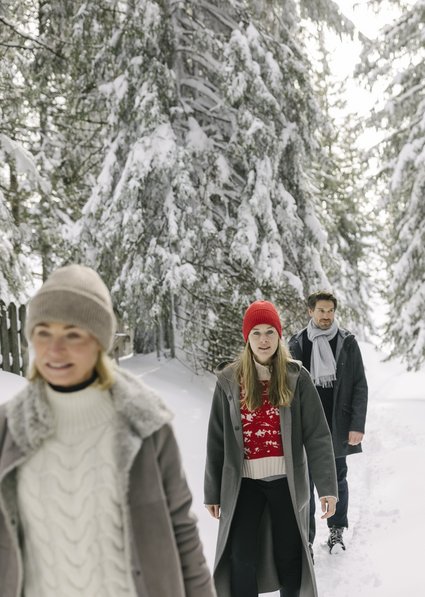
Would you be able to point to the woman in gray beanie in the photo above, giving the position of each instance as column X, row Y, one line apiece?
column 93, row 499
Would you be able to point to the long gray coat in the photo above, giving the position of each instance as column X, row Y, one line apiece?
column 350, row 390
column 306, row 439
column 166, row 553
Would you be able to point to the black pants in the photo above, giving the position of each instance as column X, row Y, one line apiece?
column 340, row 518
column 254, row 497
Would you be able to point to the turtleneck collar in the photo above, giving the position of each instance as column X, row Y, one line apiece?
column 78, row 386
column 263, row 371
column 76, row 412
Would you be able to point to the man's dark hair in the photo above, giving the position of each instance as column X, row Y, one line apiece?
column 321, row 295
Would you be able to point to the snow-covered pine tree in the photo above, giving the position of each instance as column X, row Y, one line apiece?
column 205, row 198
column 162, row 221
column 131, row 223
column 69, row 116
column 200, row 142
column 397, row 59
column 13, row 265
column 19, row 177
column 343, row 202
column 55, row 114
column 275, row 238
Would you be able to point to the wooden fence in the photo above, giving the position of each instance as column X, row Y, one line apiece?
column 13, row 345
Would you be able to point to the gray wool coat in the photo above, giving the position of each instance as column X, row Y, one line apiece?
column 350, row 393
column 164, row 545
column 306, row 442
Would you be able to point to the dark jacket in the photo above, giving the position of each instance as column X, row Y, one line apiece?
column 158, row 500
column 306, row 439
column 350, row 390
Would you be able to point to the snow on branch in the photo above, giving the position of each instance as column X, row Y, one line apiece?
column 23, row 159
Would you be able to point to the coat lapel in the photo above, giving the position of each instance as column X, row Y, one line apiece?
column 30, row 421
column 29, row 417
column 231, row 388
column 286, row 426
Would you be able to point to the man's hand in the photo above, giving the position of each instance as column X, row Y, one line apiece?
column 328, row 506
column 213, row 509
column 355, row 437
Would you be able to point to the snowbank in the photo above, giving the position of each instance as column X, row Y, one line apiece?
column 10, row 384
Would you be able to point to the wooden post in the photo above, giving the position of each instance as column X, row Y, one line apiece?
column 4, row 338
column 158, row 338
column 15, row 365
column 24, row 344
column 13, row 344
column 172, row 327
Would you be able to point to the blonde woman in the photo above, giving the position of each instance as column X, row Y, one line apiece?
column 93, row 499
column 266, row 428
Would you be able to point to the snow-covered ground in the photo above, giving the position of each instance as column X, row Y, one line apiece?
column 9, row 385
column 384, row 542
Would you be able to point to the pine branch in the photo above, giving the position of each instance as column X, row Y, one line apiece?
column 31, row 38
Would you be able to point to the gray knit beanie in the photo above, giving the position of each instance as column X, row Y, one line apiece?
column 75, row 295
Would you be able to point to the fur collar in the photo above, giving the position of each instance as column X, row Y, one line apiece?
column 140, row 409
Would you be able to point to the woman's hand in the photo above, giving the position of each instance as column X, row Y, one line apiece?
column 328, row 506
column 214, row 510
column 355, row 438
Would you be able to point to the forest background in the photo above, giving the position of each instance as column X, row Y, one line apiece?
column 202, row 154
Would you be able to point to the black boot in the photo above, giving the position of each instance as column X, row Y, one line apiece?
column 335, row 539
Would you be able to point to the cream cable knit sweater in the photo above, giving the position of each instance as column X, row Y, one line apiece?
column 70, row 507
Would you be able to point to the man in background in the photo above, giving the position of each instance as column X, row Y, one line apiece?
column 333, row 357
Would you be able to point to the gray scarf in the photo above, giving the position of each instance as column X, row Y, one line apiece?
column 323, row 366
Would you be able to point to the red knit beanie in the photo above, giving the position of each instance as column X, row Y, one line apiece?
column 258, row 313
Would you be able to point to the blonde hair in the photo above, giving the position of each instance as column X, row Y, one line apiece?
column 104, row 367
column 279, row 392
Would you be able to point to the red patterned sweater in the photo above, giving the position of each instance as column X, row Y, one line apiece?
column 261, row 428
column 262, row 438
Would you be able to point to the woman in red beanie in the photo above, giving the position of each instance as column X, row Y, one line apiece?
column 266, row 428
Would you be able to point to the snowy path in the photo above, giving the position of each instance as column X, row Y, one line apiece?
column 384, row 556
column 384, row 542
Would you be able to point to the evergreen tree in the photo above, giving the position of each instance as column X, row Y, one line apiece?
column 189, row 133
column 397, row 59
column 205, row 200
column 13, row 266
column 69, row 116
column 19, row 176
column 343, row 199
column 52, row 111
